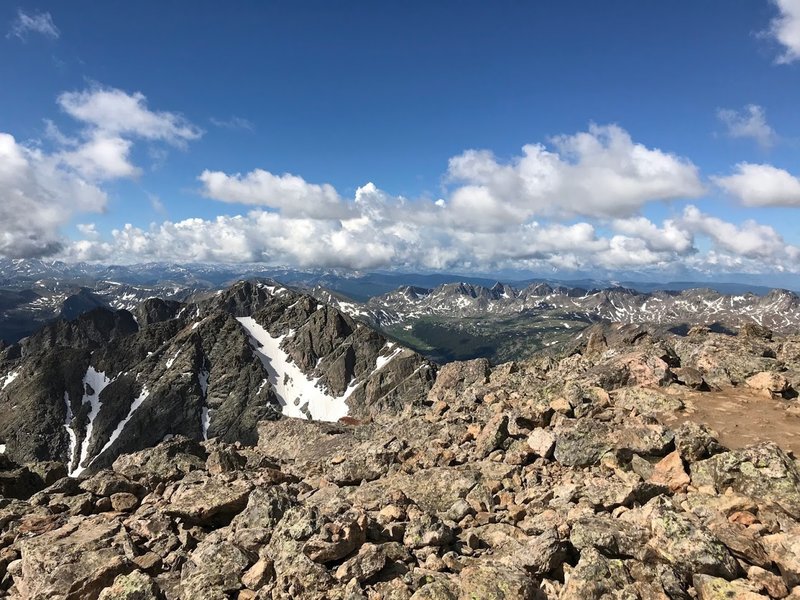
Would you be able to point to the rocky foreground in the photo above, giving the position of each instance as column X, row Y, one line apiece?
column 554, row 478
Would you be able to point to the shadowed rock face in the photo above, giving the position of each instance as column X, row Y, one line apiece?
column 84, row 391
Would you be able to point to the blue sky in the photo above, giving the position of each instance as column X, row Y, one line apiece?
column 661, row 137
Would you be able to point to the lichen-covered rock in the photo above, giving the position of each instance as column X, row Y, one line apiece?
column 496, row 582
column 763, row 471
column 368, row 562
column 215, row 567
column 493, row 434
column 688, row 546
column 716, row 588
column 133, row 586
column 74, row 562
column 207, row 500
column 695, row 442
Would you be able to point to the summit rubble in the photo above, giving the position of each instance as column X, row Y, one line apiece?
column 552, row 478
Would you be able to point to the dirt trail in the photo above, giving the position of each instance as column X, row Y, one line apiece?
column 742, row 417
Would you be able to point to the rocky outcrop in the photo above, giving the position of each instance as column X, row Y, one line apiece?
column 83, row 392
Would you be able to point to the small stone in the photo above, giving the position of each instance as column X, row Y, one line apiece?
column 259, row 574
column 716, row 588
column 124, row 502
column 133, row 586
column 669, row 471
column 493, row 434
column 368, row 562
column 542, row 442
column 149, row 562
column 770, row 582
column 472, row 540
column 561, row 405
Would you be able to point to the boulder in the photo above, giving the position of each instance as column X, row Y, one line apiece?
column 763, row 471
column 669, row 472
column 133, row 586
column 208, row 500
column 716, row 588
column 492, row 581
column 74, row 562
column 768, row 382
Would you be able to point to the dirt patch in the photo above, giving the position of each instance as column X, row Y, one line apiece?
column 742, row 417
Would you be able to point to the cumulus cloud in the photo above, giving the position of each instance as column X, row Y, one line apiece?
column 598, row 173
column 368, row 241
column 785, row 29
column 291, row 194
column 38, row 196
column 749, row 123
column 41, row 191
column 40, row 23
column 761, row 185
column 111, row 120
column 115, row 112
column 669, row 238
column 748, row 240
column 102, row 157
column 574, row 204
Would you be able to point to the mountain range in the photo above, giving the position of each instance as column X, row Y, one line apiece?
column 501, row 322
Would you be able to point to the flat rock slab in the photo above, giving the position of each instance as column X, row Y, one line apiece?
column 76, row 561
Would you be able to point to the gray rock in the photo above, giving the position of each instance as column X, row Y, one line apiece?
column 763, row 471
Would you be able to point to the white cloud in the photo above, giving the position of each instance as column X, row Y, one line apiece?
column 761, row 185
column 598, row 173
column 291, row 194
column 749, row 240
column 785, row 29
column 102, row 157
column 374, row 241
column 88, row 230
column 233, row 122
column 41, row 192
column 157, row 204
column 540, row 210
column 669, row 238
column 750, row 123
column 115, row 112
column 37, row 197
column 41, row 23
column 574, row 205
column 111, row 120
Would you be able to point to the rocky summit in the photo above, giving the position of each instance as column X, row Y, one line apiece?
column 584, row 475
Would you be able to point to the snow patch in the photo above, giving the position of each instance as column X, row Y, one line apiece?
column 205, row 420
column 293, row 388
column 121, row 425
column 205, row 415
column 9, row 378
column 73, row 438
column 382, row 361
column 171, row 361
column 2, row 448
column 97, row 381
